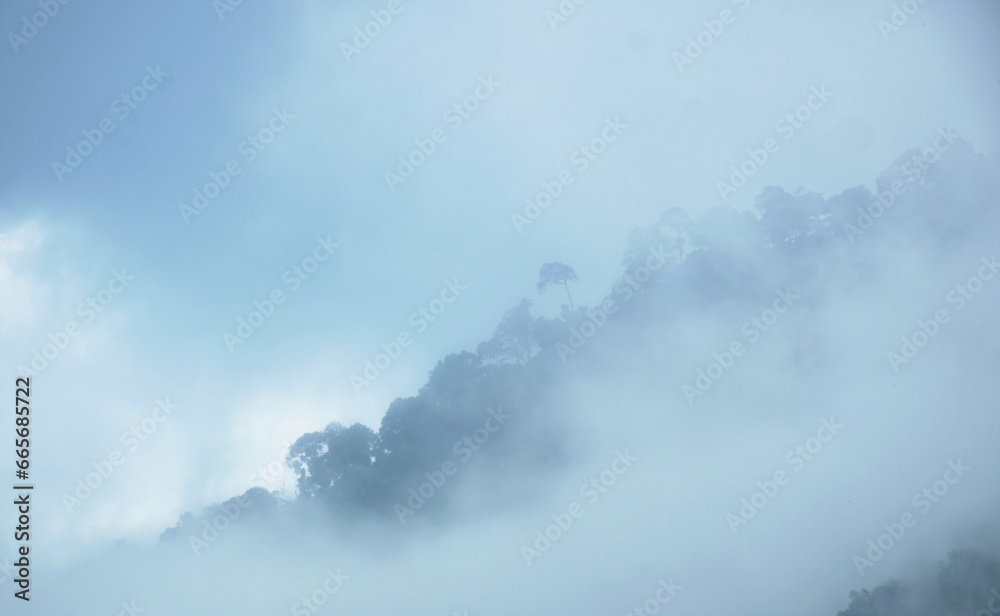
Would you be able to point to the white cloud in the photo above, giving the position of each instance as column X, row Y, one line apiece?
column 25, row 294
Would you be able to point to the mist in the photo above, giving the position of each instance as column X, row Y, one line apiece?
column 520, row 308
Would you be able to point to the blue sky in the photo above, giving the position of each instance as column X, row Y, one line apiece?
column 323, row 176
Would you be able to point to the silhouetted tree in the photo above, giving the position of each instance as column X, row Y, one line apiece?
column 334, row 462
column 557, row 273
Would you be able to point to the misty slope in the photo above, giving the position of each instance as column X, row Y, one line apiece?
column 725, row 258
column 655, row 332
column 968, row 583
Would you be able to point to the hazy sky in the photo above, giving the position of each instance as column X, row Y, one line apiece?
column 115, row 226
